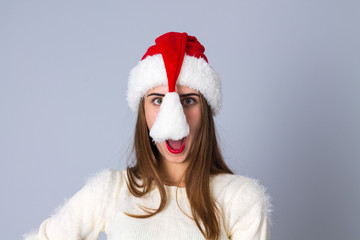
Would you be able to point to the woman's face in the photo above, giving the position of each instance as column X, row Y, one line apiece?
column 190, row 101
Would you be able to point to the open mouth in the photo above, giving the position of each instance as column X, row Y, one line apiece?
column 176, row 146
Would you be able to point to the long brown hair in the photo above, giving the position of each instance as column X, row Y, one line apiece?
column 204, row 159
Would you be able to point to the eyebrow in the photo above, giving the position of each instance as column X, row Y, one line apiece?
column 189, row 94
column 182, row 95
column 156, row 94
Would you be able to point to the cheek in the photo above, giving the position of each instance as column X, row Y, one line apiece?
column 150, row 115
column 194, row 120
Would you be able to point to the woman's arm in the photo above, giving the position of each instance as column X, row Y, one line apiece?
column 252, row 225
column 246, row 208
column 86, row 214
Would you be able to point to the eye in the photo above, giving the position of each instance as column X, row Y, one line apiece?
column 157, row 101
column 188, row 101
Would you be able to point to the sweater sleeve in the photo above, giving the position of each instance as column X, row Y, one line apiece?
column 86, row 214
column 246, row 209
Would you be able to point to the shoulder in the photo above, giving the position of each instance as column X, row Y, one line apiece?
column 105, row 182
column 105, row 176
column 241, row 192
column 87, row 212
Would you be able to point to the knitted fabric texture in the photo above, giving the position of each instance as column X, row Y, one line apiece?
column 100, row 205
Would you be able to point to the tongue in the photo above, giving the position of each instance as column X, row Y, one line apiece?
column 175, row 144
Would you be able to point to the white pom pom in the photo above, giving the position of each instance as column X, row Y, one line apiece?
column 171, row 121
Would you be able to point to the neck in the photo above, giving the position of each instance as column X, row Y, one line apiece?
column 173, row 174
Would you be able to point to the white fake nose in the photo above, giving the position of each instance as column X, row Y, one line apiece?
column 171, row 121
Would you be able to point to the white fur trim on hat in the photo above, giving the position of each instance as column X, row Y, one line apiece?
column 170, row 122
column 195, row 73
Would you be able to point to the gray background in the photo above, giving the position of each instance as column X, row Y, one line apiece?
column 290, row 118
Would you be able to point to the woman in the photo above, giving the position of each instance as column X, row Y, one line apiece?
column 179, row 186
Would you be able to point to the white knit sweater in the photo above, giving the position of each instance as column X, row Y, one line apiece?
column 99, row 207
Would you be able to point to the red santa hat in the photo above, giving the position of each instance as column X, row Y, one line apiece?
column 175, row 59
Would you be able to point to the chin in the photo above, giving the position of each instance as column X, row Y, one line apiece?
column 176, row 159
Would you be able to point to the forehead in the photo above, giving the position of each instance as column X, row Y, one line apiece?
column 179, row 89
